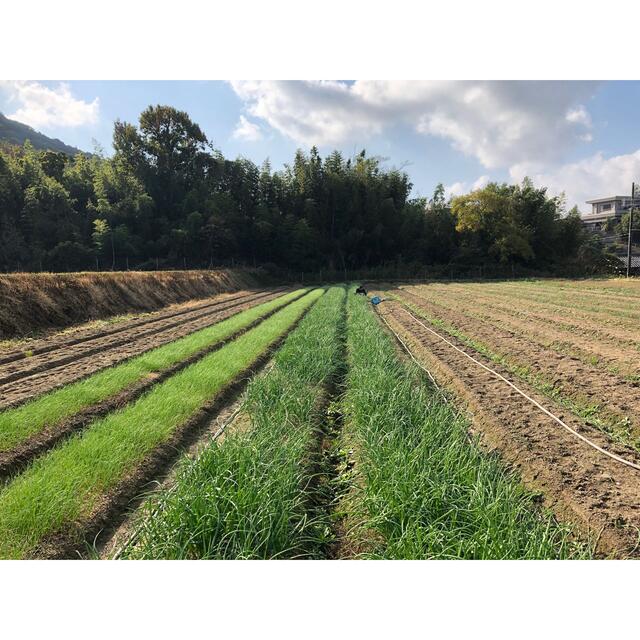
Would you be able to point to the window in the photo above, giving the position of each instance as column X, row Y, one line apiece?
column 605, row 207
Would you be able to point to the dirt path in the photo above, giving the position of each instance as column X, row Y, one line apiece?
column 617, row 400
column 23, row 379
column 597, row 494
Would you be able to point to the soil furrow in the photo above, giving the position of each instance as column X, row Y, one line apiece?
column 13, row 461
column 567, row 375
column 599, row 350
column 49, row 360
column 72, row 337
column 609, row 329
column 617, row 327
column 598, row 494
column 19, row 391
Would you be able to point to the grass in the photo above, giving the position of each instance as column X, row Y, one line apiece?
column 62, row 489
column 19, row 424
column 256, row 494
column 426, row 489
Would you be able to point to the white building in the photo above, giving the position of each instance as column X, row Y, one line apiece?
column 604, row 209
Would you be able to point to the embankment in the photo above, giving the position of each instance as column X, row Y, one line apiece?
column 33, row 302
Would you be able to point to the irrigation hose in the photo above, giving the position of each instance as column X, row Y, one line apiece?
column 563, row 424
column 406, row 348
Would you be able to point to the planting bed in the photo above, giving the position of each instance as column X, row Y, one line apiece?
column 50, row 508
column 48, row 364
column 340, row 444
column 547, row 337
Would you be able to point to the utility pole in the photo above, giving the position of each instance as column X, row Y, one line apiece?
column 633, row 195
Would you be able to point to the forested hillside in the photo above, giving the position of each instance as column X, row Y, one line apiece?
column 167, row 198
column 14, row 132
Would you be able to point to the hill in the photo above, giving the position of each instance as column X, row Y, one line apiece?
column 15, row 132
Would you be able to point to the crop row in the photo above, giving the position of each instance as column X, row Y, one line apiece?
column 254, row 495
column 62, row 492
column 49, row 410
column 427, row 490
column 409, row 483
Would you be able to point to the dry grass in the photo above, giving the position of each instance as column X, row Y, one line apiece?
column 33, row 302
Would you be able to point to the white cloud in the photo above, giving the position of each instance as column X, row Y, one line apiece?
column 458, row 188
column 499, row 123
column 589, row 178
column 247, row 130
column 42, row 107
column 579, row 115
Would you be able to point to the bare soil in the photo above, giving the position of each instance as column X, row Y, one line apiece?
column 610, row 341
column 35, row 302
column 600, row 496
column 21, row 380
column 569, row 375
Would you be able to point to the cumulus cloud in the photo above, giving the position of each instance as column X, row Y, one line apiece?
column 247, row 130
column 499, row 123
column 593, row 177
column 43, row 107
column 458, row 188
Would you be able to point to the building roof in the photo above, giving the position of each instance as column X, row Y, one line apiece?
column 609, row 199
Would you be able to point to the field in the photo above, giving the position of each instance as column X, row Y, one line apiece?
column 570, row 345
column 307, row 423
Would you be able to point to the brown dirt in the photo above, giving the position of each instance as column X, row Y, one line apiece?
column 115, row 506
column 35, row 302
column 550, row 307
column 570, row 376
column 24, row 379
column 13, row 461
column 597, row 494
column 611, row 341
column 96, row 329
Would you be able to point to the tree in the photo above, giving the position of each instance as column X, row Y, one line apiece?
column 103, row 239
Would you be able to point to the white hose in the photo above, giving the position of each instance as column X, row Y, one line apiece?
column 628, row 463
column 406, row 348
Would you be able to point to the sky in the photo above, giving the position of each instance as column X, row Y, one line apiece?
column 580, row 138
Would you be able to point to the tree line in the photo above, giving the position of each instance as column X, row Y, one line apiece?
column 167, row 198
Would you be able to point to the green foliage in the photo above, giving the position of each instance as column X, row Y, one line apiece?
column 49, row 410
column 60, row 490
column 171, row 200
column 253, row 494
column 427, row 489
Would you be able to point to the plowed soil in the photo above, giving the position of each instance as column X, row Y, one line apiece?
column 65, row 358
column 568, row 375
column 597, row 494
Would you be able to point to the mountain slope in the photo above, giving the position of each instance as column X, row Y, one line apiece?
column 15, row 132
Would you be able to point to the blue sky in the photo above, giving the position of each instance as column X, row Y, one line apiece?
column 581, row 138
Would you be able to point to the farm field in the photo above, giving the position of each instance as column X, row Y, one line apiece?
column 292, row 423
column 572, row 346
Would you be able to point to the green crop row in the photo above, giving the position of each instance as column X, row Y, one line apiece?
column 19, row 424
column 427, row 490
column 254, row 495
column 61, row 491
